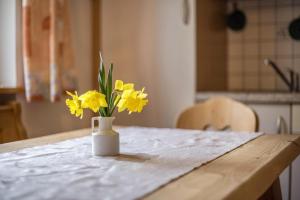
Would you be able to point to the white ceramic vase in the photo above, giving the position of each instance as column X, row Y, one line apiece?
column 105, row 141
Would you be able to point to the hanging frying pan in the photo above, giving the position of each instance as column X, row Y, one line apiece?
column 236, row 20
column 294, row 29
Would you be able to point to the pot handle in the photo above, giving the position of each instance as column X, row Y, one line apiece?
column 234, row 6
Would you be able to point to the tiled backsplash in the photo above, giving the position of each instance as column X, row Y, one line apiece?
column 265, row 36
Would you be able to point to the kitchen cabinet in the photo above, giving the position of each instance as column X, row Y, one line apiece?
column 275, row 119
column 296, row 164
column 296, row 119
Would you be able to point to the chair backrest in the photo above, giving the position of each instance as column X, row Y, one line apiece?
column 11, row 127
column 219, row 113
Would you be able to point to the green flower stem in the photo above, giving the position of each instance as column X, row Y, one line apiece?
column 114, row 107
column 102, row 112
column 105, row 87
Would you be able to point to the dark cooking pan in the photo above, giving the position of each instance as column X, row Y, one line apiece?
column 236, row 20
column 294, row 29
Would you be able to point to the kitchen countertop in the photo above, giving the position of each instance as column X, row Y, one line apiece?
column 254, row 97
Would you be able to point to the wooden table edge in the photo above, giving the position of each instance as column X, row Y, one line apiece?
column 48, row 139
column 268, row 173
column 251, row 187
column 289, row 151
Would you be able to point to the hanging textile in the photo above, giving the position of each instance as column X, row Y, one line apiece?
column 47, row 49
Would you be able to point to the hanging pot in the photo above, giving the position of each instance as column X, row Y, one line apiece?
column 294, row 29
column 236, row 20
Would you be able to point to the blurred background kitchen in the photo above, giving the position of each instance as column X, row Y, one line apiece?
column 183, row 51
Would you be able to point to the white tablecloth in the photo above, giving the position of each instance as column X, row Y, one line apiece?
column 150, row 158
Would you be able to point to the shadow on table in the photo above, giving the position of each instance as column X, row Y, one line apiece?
column 139, row 157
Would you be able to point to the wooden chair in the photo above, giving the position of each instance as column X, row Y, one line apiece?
column 11, row 127
column 219, row 113
column 224, row 113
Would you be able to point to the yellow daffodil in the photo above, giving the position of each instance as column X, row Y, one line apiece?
column 120, row 86
column 133, row 101
column 74, row 105
column 123, row 96
column 93, row 100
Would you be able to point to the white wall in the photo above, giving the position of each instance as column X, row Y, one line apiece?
column 47, row 118
column 7, row 43
column 150, row 45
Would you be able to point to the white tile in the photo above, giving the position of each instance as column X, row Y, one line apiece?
column 252, row 16
column 235, row 49
column 267, row 39
column 267, row 3
column 296, row 11
column 266, row 70
column 234, row 36
column 284, row 2
column 261, row 62
column 235, row 67
column 284, row 48
column 296, row 48
column 284, row 14
column 251, row 32
column 251, row 83
column 263, row 57
column 268, row 83
column 282, row 32
column 296, row 66
column 251, row 49
column 235, row 83
column 267, row 15
column 280, row 85
column 284, row 64
column 251, row 67
column 250, row 4
column 267, row 32
column 267, row 49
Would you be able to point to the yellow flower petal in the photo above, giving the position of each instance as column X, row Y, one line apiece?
column 133, row 101
column 128, row 86
column 74, row 105
column 127, row 93
column 93, row 100
column 121, row 105
column 119, row 85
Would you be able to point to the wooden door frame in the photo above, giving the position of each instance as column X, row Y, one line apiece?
column 96, row 35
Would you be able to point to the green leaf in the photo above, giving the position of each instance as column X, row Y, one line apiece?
column 102, row 112
column 99, row 80
column 102, row 85
column 114, row 106
column 109, row 83
column 111, row 103
column 101, row 76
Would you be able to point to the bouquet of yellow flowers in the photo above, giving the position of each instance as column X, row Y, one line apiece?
column 123, row 96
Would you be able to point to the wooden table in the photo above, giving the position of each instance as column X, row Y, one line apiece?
column 244, row 173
